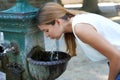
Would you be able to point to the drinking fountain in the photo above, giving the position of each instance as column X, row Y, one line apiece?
column 16, row 24
column 18, row 28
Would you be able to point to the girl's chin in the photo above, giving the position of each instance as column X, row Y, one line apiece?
column 57, row 38
column 52, row 38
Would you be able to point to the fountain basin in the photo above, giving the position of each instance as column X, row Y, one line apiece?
column 41, row 67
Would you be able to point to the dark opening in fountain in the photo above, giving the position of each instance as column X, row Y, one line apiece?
column 43, row 65
column 1, row 49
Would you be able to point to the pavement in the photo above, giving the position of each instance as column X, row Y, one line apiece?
column 2, row 76
column 81, row 68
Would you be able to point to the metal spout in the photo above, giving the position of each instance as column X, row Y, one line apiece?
column 9, row 48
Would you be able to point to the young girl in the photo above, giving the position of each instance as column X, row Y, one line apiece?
column 98, row 36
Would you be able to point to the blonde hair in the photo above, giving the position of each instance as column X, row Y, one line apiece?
column 49, row 12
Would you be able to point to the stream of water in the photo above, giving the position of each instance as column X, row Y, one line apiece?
column 57, row 48
column 57, row 53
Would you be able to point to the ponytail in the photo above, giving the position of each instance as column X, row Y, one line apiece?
column 70, row 43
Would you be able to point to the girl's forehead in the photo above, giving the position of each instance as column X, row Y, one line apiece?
column 44, row 26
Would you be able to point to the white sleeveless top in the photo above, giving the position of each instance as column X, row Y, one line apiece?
column 104, row 26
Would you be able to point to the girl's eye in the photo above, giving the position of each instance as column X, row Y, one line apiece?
column 46, row 30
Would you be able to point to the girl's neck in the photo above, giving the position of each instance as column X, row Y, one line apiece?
column 68, row 27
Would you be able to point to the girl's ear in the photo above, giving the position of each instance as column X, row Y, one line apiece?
column 57, row 21
column 38, row 26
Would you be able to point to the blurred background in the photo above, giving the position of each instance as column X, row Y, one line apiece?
column 4, row 4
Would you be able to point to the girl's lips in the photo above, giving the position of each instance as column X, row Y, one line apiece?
column 52, row 38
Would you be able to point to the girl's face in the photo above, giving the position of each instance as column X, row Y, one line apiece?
column 52, row 31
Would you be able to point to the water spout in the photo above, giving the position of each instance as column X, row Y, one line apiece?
column 8, row 50
column 3, row 46
column 8, row 47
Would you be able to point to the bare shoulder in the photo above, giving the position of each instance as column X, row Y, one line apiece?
column 83, row 26
column 84, row 30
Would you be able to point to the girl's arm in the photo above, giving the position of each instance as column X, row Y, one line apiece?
column 88, row 34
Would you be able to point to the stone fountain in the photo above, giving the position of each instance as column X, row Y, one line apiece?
column 46, row 65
